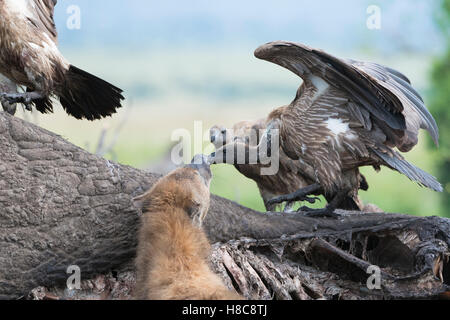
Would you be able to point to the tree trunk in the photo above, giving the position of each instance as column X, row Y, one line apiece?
column 61, row 206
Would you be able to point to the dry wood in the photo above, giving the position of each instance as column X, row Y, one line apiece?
column 61, row 206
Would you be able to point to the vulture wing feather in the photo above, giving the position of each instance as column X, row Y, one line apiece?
column 416, row 113
column 42, row 18
column 306, row 62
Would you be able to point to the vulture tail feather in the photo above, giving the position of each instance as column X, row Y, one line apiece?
column 412, row 172
column 43, row 105
column 86, row 96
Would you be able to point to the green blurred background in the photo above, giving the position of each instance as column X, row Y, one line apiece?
column 179, row 62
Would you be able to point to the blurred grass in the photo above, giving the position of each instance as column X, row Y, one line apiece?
column 222, row 88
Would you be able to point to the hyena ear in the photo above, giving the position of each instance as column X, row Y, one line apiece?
column 140, row 201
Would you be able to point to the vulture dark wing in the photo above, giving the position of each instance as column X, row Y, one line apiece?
column 308, row 63
column 416, row 113
column 43, row 17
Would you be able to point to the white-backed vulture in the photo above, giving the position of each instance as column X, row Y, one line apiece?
column 346, row 114
column 29, row 57
column 289, row 177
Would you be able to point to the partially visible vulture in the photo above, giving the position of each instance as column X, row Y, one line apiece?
column 346, row 114
column 289, row 177
column 29, row 57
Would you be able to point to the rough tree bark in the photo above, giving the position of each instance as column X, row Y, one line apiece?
column 61, row 206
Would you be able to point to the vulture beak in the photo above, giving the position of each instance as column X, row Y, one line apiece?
column 218, row 136
column 211, row 158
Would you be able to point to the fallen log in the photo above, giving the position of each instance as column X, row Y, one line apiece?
column 61, row 206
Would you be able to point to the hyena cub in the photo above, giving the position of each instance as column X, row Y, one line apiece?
column 172, row 253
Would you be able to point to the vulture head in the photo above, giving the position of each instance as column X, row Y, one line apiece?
column 218, row 136
column 247, row 132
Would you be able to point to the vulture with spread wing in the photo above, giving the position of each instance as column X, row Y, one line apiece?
column 289, row 177
column 346, row 114
column 29, row 57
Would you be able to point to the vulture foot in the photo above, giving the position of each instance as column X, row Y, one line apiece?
column 328, row 211
column 299, row 195
column 26, row 98
column 8, row 106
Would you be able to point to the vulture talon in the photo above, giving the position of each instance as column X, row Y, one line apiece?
column 304, row 209
column 299, row 195
column 328, row 211
column 7, row 106
column 312, row 199
column 26, row 98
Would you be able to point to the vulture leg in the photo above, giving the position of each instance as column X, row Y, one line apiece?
column 271, row 207
column 8, row 106
column 328, row 211
column 6, row 85
column 26, row 98
column 299, row 195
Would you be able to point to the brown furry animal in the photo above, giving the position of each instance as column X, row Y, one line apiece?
column 172, row 253
column 289, row 177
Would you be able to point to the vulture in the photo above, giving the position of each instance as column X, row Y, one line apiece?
column 29, row 58
column 345, row 115
column 289, row 177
